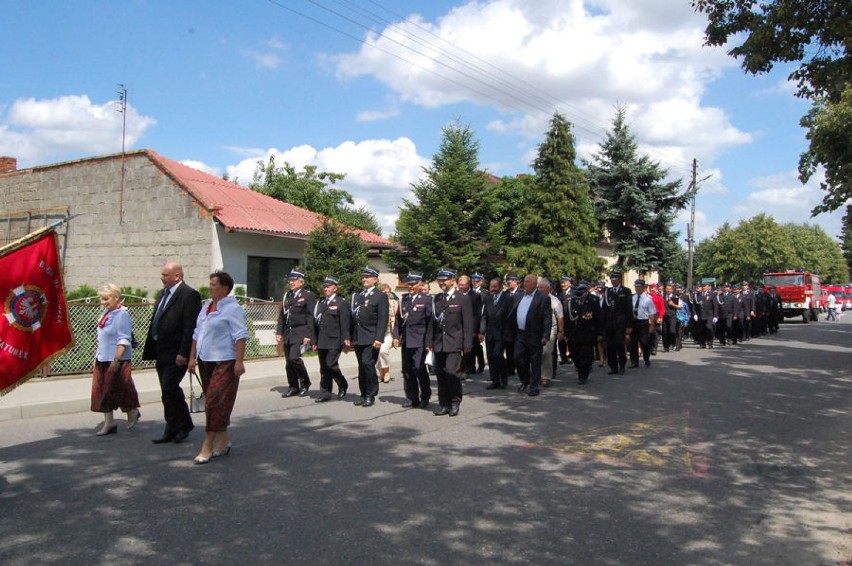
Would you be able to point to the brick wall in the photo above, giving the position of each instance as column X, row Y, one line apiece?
column 160, row 221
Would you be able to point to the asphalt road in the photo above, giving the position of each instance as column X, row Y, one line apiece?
column 727, row 456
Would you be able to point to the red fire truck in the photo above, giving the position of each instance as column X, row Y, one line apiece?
column 799, row 291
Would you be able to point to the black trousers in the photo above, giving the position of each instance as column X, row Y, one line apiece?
column 641, row 337
column 583, row 354
column 297, row 373
column 447, row 369
column 175, row 409
column 415, row 376
column 528, row 361
column 671, row 332
column 496, row 351
column 510, row 357
column 704, row 328
column 368, row 379
column 330, row 370
column 616, row 355
column 478, row 352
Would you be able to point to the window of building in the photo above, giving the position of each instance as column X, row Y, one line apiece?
column 267, row 277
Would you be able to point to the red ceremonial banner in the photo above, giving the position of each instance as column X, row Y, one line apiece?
column 34, row 327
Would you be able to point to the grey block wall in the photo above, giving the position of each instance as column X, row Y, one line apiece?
column 160, row 221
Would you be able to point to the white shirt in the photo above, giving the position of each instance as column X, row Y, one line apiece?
column 643, row 307
column 217, row 333
column 116, row 330
column 523, row 309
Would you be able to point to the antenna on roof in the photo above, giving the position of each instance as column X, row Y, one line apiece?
column 122, row 107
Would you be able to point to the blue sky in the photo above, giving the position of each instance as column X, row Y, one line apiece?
column 364, row 87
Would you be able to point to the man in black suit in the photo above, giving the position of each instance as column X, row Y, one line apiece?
column 297, row 331
column 333, row 322
column 477, row 280
column 454, row 329
column 370, row 311
column 168, row 342
column 513, row 289
column 413, row 330
column 494, row 326
column 530, row 321
column 706, row 316
column 725, row 328
column 618, row 317
column 469, row 359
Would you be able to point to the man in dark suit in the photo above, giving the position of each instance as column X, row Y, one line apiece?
column 706, row 316
column 454, row 329
column 477, row 280
column 370, row 311
column 530, row 321
column 494, row 326
column 413, row 330
column 168, row 342
column 333, row 321
column 513, row 289
column 297, row 331
column 469, row 359
column 618, row 317
column 725, row 328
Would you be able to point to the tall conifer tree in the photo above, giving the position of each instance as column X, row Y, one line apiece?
column 557, row 229
column 632, row 201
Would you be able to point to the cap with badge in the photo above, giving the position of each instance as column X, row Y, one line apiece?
column 296, row 275
column 582, row 286
column 369, row 272
column 413, row 277
column 639, row 283
column 477, row 277
column 567, row 279
column 615, row 275
column 445, row 273
column 330, row 280
column 600, row 284
column 512, row 277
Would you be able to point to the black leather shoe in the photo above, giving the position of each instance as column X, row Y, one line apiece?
column 167, row 437
column 441, row 411
column 647, row 363
column 290, row 393
column 407, row 404
column 304, row 391
column 612, row 372
column 325, row 397
column 424, row 404
column 369, row 402
column 493, row 386
column 454, row 410
column 582, row 380
column 621, row 370
column 522, row 387
column 633, row 365
column 360, row 401
column 533, row 393
column 180, row 436
column 341, row 393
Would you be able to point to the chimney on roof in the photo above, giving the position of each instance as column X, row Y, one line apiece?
column 8, row 164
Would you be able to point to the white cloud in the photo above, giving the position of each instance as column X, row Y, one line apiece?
column 263, row 59
column 201, row 166
column 379, row 173
column 36, row 130
column 374, row 115
column 529, row 57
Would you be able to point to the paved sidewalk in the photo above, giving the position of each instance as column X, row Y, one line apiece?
column 72, row 394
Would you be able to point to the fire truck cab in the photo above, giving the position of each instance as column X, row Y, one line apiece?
column 800, row 293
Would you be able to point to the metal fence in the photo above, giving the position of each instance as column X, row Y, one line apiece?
column 83, row 314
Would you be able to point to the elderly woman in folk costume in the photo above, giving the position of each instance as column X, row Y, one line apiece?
column 112, row 383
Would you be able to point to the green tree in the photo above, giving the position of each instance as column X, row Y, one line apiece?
column 452, row 220
column 312, row 190
column 334, row 249
column 815, row 35
column 814, row 250
column 557, row 228
column 632, row 202
column 513, row 197
column 846, row 240
column 745, row 252
column 829, row 127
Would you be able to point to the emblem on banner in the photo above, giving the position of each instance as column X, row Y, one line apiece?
column 25, row 308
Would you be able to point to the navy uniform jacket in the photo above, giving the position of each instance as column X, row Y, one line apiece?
column 175, row 327
column 539, row 318
column 370, row 312
column 495, row 318
column 726, row 305
column 454, row 323
column 413, row 326
column 749, row 301
column 334, row 321
column 618, row 304
column 708, row 306
column 584, row 318
column 296, row 321
column 475, row 305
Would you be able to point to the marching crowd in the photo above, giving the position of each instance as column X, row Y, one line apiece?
column 521, row 326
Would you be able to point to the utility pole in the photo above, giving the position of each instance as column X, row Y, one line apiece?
column 690, row 229
column 122, row 101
